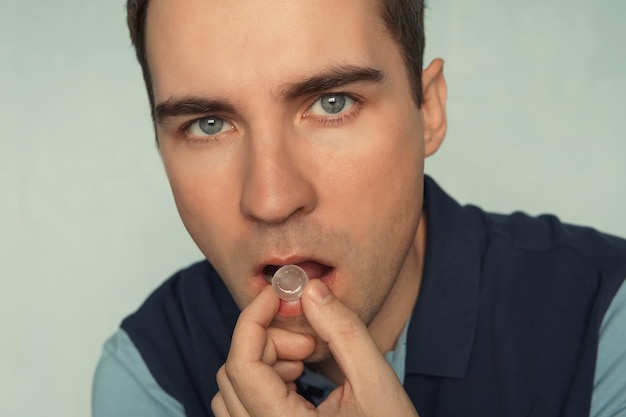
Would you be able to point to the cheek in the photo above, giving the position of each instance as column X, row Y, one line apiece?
column 204, row 205
column 187, row 189
column 384, row 202
column 210, row 212
column 381, row 185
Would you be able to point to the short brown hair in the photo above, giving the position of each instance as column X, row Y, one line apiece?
column 404, row 19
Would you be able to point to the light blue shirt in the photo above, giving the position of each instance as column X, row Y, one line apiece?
column 123, row 385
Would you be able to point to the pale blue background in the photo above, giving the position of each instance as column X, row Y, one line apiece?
column 87, row 223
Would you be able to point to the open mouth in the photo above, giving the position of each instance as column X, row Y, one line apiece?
column 312, row 268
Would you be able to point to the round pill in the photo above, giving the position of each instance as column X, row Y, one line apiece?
column 289, row 281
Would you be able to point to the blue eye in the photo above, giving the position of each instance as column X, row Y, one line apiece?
column 209, row 126
column 331, row 104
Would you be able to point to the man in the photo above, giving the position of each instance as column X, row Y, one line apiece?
column 295, row 132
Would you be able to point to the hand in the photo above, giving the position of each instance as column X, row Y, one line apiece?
column 257, row 379
column 262, row 365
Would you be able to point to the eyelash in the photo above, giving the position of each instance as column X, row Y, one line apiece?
column 184, row 129
column 329, row 121
column 325, row 121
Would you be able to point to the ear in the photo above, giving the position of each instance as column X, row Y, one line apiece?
column 433, row 107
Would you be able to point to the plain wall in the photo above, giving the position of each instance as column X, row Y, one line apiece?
column 87, row 223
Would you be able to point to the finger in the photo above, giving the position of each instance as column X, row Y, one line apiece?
column 265, row 394
column 347, row 336
column 227, row 400
column 289, row 371
column 248, row 381
column 370, row 382
column 250, row 337
column 287, row 345
column 218, row 407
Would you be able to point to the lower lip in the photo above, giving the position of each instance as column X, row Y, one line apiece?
column 289, row 309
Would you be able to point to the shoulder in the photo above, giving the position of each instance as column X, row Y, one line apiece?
column 519, row 242
column 544, row 245
column 123, row 385
column 547, row 233
column 517, row 231
column 182, row 332
column 178, row 303
column 547, row 279
column 550, row 289
column 609, row 393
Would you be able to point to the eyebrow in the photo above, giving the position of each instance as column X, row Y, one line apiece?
column 189, row 106
column 336, row 77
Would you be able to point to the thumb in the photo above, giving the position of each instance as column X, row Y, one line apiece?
column 352, row 346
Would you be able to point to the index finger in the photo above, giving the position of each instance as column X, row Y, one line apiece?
column 249, row 337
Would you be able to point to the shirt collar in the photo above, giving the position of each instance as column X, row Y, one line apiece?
column 444, row 319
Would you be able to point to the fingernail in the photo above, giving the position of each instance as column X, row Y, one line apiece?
column 320, row 293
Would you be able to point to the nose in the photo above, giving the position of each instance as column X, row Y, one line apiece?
column 276, row 182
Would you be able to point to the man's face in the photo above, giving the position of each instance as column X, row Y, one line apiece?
column 289, row 135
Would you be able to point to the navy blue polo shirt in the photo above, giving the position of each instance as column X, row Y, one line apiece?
column 507, row 320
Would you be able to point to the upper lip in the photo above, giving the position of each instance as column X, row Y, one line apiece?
column 289, row 260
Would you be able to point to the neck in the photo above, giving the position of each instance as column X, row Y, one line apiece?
column 397, row 309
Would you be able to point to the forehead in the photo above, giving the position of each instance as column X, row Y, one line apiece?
column 213, row 45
